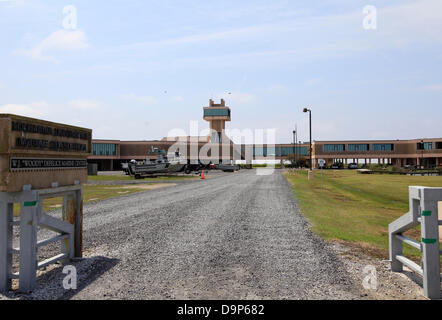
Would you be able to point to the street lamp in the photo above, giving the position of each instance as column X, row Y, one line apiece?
column 310, row 118
column 422, row 154
column 294, row 147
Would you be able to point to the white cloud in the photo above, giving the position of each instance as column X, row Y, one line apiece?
column 238, row 97
column 203, row 37
column 413, row 21
column 13, row 3
column 433, row 87
column 409, row 23
column 61, row 40
column 177, row 99
column 84, row 104
column 277, row 89
column 34, row 109
column 146, row 100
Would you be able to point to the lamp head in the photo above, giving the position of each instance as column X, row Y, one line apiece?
column 305, row 110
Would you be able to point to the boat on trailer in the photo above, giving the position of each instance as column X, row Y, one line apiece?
column 163, row 164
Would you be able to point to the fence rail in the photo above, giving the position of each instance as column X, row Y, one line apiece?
column 32, row 217
column 423, row 211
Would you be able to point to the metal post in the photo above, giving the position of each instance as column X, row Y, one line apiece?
column 310, row 117
column 430, row 244
column 73, row 213
column 78, row 231
column 294, row 146
column 28, row 242
column 6, row 217
column 66, row 245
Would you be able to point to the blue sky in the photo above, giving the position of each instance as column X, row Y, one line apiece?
column 134, row 70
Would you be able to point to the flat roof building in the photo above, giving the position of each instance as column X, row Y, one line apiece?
column 109, row 154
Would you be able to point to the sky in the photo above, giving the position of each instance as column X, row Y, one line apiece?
column 137, row 70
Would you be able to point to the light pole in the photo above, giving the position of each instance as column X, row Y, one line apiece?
column 310, row 119
column 294, row 147
column 422, row 154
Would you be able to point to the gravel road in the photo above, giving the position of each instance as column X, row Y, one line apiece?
column 235, row 236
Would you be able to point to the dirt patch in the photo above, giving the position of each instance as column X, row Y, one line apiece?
column 406, row 285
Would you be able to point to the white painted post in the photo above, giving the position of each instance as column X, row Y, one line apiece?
column 430, row 242
column 28, row 242
column 6, row 216
column 403, row 224
column 395, row 250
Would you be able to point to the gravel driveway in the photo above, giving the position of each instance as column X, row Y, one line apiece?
column 236, row 236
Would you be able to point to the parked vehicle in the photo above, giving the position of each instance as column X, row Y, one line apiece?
column 228, row 167
column 337, row 165
column 353, row 166
column 171, row 163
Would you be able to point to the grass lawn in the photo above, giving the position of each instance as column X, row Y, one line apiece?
column 125, row 178
column 98, row 193
column 357, row 208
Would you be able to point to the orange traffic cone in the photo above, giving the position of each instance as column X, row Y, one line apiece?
column 202, row 175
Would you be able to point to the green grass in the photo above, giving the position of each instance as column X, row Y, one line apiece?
column 125, row 178
column 357, row 208
column 93, row 193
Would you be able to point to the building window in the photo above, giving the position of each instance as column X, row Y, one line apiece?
column 334, row 147
column 425, row 146
column 104, row 149
column 286, row 151
column 264, row 151
column 216, row 112
column 438, row 145
column 259, row 151
column 383, row 147
column 358, row 147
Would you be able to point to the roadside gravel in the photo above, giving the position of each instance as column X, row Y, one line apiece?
column 235, row 236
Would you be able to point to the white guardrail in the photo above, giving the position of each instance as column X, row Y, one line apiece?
column 423, row 211
column 32, row 217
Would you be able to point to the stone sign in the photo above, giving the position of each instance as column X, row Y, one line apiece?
column 40, row 153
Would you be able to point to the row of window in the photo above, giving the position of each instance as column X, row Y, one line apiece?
column 358, row 147
column 216, row 112
column 104, row 149
column 377, row 147
column 279, row 151
column 428, row 145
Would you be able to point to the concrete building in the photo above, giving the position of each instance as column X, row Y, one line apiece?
column 109, row 154
column 415, row 152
